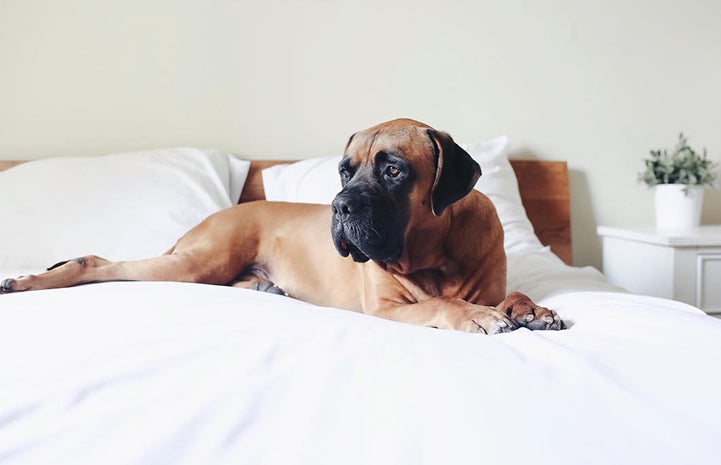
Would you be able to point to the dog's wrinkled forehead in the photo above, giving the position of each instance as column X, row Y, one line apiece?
column 405, row 138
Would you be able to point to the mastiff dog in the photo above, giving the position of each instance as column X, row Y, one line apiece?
column 408, row 238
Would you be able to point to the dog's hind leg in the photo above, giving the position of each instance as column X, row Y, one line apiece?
column 63, row 274
column 89, row 269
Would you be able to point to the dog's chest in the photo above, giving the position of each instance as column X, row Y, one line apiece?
column 444, row 281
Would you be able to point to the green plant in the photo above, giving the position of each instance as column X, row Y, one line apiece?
column 682, row 165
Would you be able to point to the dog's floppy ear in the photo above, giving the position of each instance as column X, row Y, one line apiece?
column 456, row 172
column 350, row 139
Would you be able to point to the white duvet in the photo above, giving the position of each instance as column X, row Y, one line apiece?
column 170, row 373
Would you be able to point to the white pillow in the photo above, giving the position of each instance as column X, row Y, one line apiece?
column 499, row 183
column 122, row 207
column 316, row 180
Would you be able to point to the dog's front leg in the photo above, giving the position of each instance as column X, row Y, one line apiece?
column 448, row 313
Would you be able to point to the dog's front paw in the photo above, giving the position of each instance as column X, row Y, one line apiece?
column 524, row 312
column 485, row 320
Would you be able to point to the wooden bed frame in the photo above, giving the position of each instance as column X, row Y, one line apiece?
column 543, row 186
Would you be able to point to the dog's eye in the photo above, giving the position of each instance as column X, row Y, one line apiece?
column 392, row 171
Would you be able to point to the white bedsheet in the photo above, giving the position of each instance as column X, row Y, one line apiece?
column 166, row 373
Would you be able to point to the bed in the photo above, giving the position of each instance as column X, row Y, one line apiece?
column 161, row 373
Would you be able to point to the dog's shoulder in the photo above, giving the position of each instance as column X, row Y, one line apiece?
column 473, row 208
column 476, row 231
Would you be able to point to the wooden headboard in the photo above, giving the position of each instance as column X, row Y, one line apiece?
column 545, row 195
column 543, row 186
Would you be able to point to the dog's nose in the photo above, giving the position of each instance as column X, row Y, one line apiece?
column 343, row 207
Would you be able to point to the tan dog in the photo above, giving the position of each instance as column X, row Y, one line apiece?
column 426, row 247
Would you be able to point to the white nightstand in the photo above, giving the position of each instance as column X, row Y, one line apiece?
column 683, row 266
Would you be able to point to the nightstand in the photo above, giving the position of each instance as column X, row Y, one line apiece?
column 683, row 266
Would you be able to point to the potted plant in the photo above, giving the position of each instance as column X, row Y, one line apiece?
column 678, row 178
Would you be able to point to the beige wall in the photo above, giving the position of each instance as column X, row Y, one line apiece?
column 595, row 83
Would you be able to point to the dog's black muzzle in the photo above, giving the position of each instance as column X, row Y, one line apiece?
column 367, row 225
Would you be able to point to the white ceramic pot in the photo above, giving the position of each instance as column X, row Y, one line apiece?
column 676, row 210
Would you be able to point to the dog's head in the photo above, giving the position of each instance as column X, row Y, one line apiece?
column 397, row 177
